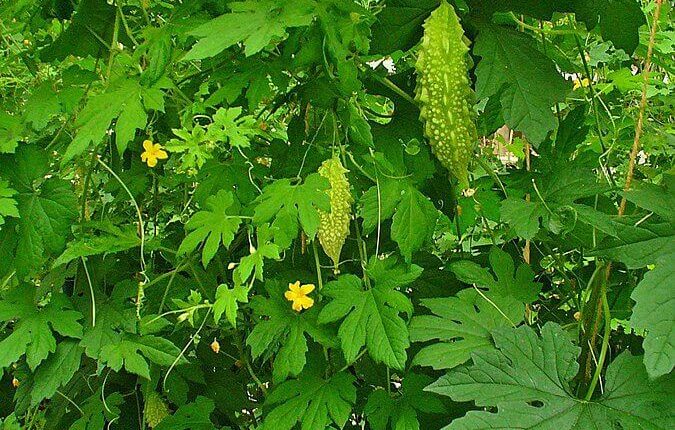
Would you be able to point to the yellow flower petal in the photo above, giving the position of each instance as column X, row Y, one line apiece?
column 290, row 295
column 162, row 155
column 306, row 302
column 295, row 287
column 147, row 145
column 152, row 161
column 297, row 306
column 307, row 288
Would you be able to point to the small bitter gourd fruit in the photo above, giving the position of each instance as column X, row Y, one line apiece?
column 334, row 225
column 155, row 409
column 444, row 94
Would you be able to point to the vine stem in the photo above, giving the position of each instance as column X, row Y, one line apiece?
column 182, row 353
column 318, row 265
column 603, row 306
column 91, row 291
column 643, row 103
column 605, row 341
column 141, row 225
column 395, row 88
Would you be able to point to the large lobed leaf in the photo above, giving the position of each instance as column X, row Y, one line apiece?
column 654, row 311
column 370, row 317
column 525, row 80
column 312, row 402
column 282, row 330
column 527, row 378
column 463, row 324
column 215, row 225
column 288, row 205
column 255, row 23
column 33, row 332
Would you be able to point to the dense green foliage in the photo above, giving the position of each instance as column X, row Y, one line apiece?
column 312, row 214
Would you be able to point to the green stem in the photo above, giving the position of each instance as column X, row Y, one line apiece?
column 492, row 174
column 541, row 30
column 395, row 88
column 141, row 225
column 605, row 341
column 318, row 264
column 113, row 44
column 126, row 26
column 91, row 292
column 363, row 255
column 591, row 89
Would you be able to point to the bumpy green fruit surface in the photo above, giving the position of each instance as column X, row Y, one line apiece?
column 443, row 92
column 155, row 409
column 334, row 225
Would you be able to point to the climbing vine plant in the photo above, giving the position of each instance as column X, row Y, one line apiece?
column 394, row 214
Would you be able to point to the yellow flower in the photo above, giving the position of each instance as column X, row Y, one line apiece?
column 298, row 295
column 580, row 83
column 153, row 152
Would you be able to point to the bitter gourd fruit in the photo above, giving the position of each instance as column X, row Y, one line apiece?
column 444, row 93
column 334, row 225
column 155, row 409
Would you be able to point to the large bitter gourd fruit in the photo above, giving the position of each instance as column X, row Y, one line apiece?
column 334, row 225
column 444, row 93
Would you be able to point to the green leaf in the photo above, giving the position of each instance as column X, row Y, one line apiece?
column 126, row 352
column 97, row 411
column 216, row 224
column 112, row 239
column 10, row 423
column 92, row 23
column 255, row 23
column 527, row 80
column 637, row 246
column 114, row 316
column 619, row 20
column 400, row 412
column 654, row 312
column 56, row 371
column 47, row 208
column 660, row 200
column 11, row 132
column 122, row 101
column 32, row 333
column 193, row 416
column 194, row 146
column 463, row 323
column 7, row 203
column 255, row 261
column 158, row 49
column 370, row 318
column 522, row 216
column 44, row 224
column 230, row 126
column 359, row 129
column 389, row 273
column 312, row 402
column 280, row 327
column 378, row 205
column 227, row 302
column 527, row 380
column 518, row 284
column 414, row 221
column 289, row 204
column 42, row 105
column 399, row 25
